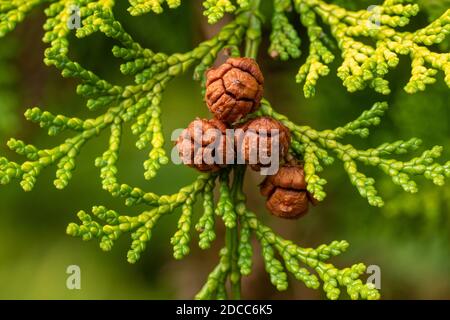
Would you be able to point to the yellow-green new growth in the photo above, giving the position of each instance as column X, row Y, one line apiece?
column 365, row 65
column 139, row 103
column 139, row 7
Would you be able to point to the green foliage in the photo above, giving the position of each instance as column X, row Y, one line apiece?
column 365, row 65
column 293, row 256
column 138, row 103
column 215, row 9
column 284, row 40
column 430, row 206
column 225, row 207
column 206, row 224
column 139, row 7
column 13, row 12
column 314, row 145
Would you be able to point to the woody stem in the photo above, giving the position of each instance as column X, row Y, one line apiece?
column 232, row 236
column 253, row 40
column 253, row 35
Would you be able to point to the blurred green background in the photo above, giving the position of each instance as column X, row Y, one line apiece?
column 409, row 238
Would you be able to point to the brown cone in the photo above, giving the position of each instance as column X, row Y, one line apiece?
column 254, row 140
column 234, row 89
column 203, row 145
column 286, row 192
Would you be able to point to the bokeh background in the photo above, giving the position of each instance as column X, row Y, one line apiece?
column 409, row 238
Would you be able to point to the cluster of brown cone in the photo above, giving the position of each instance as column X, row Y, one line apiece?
column 234, row 90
